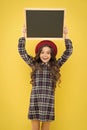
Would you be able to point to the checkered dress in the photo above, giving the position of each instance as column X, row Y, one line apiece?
column 42, row 99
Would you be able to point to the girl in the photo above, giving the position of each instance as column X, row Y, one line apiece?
column 45, row 74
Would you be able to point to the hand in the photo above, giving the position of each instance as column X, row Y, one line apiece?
column 65, row 31
column 24, row 31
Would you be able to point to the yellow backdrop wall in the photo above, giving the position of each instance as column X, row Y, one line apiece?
column 71, row 100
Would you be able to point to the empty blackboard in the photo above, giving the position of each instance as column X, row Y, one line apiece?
column 44, row 23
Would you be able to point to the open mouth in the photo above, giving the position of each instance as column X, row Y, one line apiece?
column 45, row 58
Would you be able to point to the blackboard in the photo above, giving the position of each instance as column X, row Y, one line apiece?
column 44, row 23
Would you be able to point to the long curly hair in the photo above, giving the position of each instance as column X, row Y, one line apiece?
column 53, row 67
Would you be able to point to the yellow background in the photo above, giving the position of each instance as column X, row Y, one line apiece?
column 71, row 100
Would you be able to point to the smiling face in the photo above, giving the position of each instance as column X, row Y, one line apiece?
column 45, row 54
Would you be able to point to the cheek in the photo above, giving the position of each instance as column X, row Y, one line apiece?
column 40, row 56
column 49, row 56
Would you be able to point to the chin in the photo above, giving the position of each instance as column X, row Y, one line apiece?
column 45, row 61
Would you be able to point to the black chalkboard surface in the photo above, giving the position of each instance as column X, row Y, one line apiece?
column 44, row 23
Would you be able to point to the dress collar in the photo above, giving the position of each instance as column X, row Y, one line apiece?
column 45, row 64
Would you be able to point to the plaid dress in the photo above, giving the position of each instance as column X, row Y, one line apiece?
column 42, row 99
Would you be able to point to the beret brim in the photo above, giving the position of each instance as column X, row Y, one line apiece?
column 46, row 43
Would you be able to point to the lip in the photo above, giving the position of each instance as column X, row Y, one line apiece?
column 45, row 58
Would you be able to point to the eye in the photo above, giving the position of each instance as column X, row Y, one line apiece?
column 42, row 52
column 48, row 53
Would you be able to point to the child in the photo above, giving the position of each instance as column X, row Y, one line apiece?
column 45, row 74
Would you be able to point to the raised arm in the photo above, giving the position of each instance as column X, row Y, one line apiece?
column 22, row 51
column 69, row 48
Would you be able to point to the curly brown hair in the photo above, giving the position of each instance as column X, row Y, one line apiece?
column 53, row 67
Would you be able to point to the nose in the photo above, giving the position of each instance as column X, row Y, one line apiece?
column 45, row 55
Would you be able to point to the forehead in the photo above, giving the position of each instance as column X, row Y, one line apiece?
column 46, row 48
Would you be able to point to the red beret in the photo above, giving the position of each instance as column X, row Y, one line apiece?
column 46, row 43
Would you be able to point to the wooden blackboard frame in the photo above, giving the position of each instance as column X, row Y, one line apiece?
column 50, row 12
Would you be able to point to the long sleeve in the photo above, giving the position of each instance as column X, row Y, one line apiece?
column 23, row 53
column 67, row 52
